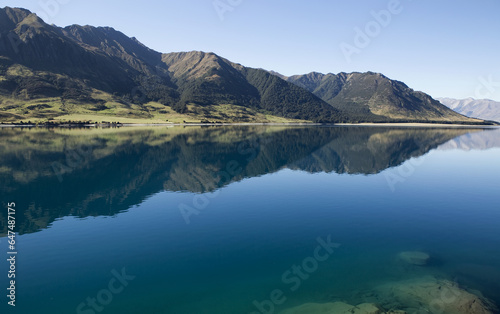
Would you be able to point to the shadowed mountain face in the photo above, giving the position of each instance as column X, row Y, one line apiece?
column 56, row 173
column 40, row 60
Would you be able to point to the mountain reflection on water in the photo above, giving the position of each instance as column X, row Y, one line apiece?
column 89, row 172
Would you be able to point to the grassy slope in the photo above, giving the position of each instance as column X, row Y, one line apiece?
column 107, row 107
column 53, row 109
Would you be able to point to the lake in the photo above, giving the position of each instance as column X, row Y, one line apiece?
column 247, row 219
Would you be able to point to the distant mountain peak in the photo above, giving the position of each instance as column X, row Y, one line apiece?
column 475, row 108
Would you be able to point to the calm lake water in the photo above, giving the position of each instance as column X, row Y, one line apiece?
column 218, row 219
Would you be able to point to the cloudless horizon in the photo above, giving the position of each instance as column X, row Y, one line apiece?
column 445, row 49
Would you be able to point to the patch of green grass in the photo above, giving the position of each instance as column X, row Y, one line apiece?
column 19, row 70
column 57, row 110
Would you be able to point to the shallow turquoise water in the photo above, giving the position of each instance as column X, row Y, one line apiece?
column 213, row 220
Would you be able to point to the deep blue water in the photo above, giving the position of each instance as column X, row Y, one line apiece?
column 209, row 220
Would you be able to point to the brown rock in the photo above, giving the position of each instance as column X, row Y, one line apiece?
column 334, row 308
column 436, row 296
column 415, row 258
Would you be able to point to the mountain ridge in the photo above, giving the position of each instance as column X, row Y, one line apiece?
column 373, row 95
column 48, row 72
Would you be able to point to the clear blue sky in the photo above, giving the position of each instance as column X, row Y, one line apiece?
column 443, row 48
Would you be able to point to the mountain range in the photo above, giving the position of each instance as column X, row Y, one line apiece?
column 92, row 73
column 475, row 108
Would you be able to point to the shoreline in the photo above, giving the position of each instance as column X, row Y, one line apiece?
column 366, row 124
column 421, row 124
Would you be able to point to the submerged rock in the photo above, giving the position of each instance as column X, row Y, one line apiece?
column 415, row 258
column 416, row 296
column 334, row 308
column 430, row 295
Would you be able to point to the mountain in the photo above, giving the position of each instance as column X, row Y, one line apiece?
column 475, row 108
column 41, row 60
column 207, row 79
column 97, row 73
column 374, row 97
